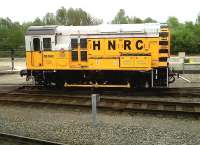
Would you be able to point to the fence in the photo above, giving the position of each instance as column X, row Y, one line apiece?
column 188, row 64
column 12, row 53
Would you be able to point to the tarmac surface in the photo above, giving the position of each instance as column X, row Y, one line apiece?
column 5, row 63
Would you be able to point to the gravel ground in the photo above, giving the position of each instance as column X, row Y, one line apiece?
column 73, row 126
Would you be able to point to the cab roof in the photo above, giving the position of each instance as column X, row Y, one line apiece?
column 146, row 28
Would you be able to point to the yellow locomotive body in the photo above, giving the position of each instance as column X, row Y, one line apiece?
column 111, row 54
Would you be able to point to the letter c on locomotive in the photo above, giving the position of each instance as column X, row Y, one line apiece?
column 139, row 44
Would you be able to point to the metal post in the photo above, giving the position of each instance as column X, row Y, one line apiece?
column 167, row 77
column 94, row 109
column 182, row 57
column 12, row 59
column 152, row 78
column 156, row 74
column 183, row 65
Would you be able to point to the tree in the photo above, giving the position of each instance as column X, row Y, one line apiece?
column 120, row 18
column 184, row 36
column 11, row 36
column 5, row 22
column 38, row 22
column 61, row 16
column 78, row 17
column 49, row 19
column 173, row 22
column 149, row 20
column 12, row 33
column 83, row 18
column 134, row 20
column 198, row 19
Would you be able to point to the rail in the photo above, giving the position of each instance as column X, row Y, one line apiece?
column 184, row 101
column 26, row 140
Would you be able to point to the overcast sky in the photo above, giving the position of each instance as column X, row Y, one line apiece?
column 28, row 10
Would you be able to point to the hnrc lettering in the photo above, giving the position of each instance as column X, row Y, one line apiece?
column 139, row 44
column 96, row 44
column 127, row 44
column 112, row 45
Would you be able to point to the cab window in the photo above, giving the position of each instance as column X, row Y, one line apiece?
column 83, row 43
column 74, row 43
column 36, row 44
column 47, row 44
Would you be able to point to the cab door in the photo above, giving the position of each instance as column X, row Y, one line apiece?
column 36, row 53
column 79, row 52
column 83, row 58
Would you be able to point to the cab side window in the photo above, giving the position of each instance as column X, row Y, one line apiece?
column 74, row 43
column 47, row 44
column 36, row 44
column 83, row 43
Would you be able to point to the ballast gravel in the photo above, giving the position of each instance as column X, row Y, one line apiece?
column 74, row 126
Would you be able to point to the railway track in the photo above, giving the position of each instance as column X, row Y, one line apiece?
column 162, row 100
column 12, row 138
column 113, row 92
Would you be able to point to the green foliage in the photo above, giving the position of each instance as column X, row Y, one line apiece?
column 49, row 19
column 122, row 18
column 38, row 22
column 173, row 22
column 12, row 33
column 75, row 17
column 198, row 19
column 185, row 36
column 61, row 16
column 135, row 20
column 149, row 20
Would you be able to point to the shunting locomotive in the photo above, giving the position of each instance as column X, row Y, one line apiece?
column 111, row 55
